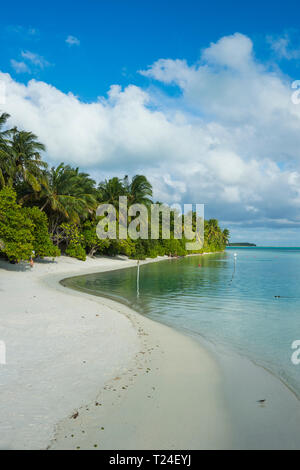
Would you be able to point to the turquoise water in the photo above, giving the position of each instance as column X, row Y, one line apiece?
column 230, row 303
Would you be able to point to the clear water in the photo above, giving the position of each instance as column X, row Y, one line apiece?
column 231, row 303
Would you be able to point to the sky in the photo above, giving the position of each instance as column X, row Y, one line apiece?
column 195, row 95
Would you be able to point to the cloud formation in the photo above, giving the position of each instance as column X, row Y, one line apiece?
column 19, row 66
column 35, row 59
column 231, row 139
column 31, row 61
column 282, row 47
column 24, row 32
column 72, row 41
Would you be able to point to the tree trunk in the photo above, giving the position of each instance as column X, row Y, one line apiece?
column 44, row 206
column 92, row 252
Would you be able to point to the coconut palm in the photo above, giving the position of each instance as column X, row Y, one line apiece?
column 24, row 159
column 110, row 190
column 139, row 190
column 67, row 195
column 212, row 230
column 4, row 151
column 226, row 236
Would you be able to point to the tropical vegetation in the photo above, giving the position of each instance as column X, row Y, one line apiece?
column 47, row 211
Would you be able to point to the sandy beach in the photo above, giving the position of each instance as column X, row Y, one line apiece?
column 85, row 372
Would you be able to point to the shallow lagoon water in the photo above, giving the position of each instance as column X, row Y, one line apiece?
column 249, row 304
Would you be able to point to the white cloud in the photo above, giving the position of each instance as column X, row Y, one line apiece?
column 72, row 41
column 231, row 140
column 281, row 46
column 28, row 33
column 231, row 51
column 35, row 59
column 19, row 67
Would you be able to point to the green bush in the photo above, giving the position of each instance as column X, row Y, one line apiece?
column 140, row 251
column 42, row 243
column 75, row 250
column 16, row 228
column 74, row 240
column 91, row 242
column 175, row 247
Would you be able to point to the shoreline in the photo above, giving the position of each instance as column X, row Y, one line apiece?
column 207, row 343
column 145, row 407
column 64, row 347
column 263, row 431
column 192, row 396
column 167, row 361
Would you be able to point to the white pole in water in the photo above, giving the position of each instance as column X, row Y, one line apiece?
column 138, row 279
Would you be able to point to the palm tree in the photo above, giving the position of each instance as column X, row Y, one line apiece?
column 139, row 191
column 212, row 230
column 24, row 159
column 67, row 195
column 110, row 190
column 226, row 236
column 3, row 119
column 4, row 166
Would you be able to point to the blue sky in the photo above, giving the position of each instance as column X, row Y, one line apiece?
column 155, row 85
column 119, row 37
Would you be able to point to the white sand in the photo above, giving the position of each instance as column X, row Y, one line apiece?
column 63, row 347
column 145, row 384
column 59, row 352
column 170, row 398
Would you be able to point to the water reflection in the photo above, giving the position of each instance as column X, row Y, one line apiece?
column 230, row 302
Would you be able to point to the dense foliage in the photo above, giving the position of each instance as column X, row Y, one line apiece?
column 16, row 238
column 23, row 231
column 47, row 210
column 42, row 243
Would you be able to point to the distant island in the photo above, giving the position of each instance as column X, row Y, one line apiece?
column 241, row 244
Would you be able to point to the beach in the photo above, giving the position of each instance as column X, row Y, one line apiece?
column 84, row 372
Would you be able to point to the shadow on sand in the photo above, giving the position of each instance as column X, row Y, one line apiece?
column 23, row 265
